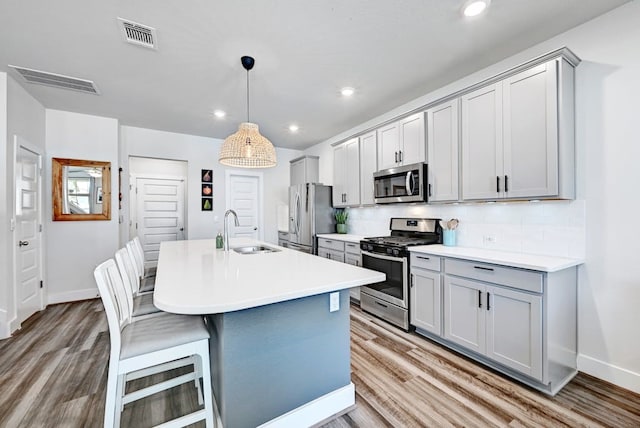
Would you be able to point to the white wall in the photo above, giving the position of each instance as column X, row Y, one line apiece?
column 21, row 115
column 202, row 153
column 607, row 149
column 75, row 248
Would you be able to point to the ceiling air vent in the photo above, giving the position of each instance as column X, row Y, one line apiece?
column 56, row 80
column 138, row 34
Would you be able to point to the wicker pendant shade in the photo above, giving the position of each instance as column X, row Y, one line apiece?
column 247, row 148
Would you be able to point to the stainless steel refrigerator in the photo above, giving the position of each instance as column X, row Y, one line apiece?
column 310, row 213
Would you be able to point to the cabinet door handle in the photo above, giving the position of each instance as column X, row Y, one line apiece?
column 411, row 282
column 480, row 299
column 400, row 152
column 483, row 268
column 423, row 258
column 488, row 304
column 396, row 156
column 497, row 184
column 429, row 187
column 506, row 183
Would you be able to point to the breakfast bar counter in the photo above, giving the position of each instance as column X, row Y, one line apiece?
column 279, row 324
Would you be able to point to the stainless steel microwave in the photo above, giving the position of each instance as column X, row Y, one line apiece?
column 406, row 183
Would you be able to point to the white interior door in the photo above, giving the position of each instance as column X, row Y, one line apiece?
column 159, row 214
column 28, row 260
column 243, row 196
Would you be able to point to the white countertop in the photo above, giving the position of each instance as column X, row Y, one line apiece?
column 345, row 237
column 505, row 258
column 194, row 277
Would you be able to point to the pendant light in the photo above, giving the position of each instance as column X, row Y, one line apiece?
column 247, row 148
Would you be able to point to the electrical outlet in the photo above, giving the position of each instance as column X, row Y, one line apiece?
column 489, row 239
column 334, row 302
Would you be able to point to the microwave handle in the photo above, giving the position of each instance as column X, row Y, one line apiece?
column 409, row 183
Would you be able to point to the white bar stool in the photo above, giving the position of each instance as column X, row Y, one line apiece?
column 138, row 348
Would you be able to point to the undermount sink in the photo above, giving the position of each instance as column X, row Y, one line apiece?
column 255, row 249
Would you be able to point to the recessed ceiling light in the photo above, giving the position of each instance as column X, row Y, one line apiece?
column 347, row 92
column 475, row 7
column 293, row 128
column 219, row 114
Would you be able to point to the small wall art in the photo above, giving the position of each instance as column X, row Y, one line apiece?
column 207, row 190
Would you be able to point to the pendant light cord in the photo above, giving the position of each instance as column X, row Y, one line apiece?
column 248, row 96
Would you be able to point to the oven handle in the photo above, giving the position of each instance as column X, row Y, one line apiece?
column 380, row 256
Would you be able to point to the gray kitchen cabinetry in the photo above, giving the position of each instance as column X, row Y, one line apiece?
column 331, row 249
column 368, row 165
column 401, row 142
column 303, row 170
column 520, row 322
column 517, row 135
column 353, row 256
column 346, row 174
column 341, row 251
column 425, row 295
column 442, row 151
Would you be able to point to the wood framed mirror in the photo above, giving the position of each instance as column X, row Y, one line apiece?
column 81, row 190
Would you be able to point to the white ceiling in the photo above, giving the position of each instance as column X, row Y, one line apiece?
column 390, row 51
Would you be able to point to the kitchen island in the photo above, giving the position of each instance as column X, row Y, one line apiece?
column 279, row 324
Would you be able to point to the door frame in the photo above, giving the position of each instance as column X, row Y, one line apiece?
column 227, row 194
column 133, row 200
column 20, row 142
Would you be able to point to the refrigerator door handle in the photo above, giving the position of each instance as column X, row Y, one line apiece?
column 298, row 207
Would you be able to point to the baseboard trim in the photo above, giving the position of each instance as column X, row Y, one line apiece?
column 318, row 410
column 5, row 328
column 619, row 376
column 72, row 296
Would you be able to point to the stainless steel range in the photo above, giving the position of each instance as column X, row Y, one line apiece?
column 389, row 300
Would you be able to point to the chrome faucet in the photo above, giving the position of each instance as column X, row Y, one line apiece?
column 226, row 227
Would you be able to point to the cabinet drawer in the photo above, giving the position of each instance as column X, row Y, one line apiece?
column 331, row 254
column 353, row 259
column 352, row 248
column 426, row 261
column 510, row 277
column 331, row 244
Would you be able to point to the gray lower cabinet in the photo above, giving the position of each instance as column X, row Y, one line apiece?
column 353, row 256
column 425, row 294
column 502, row 324
column 518, row 321
column 341, row 251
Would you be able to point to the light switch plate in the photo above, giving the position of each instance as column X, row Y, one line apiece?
column 334, row 302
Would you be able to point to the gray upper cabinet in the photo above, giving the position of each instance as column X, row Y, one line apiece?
column 346, row 174
column 517, row 136
column 368, row 165
column 401, row 142
column 442, row 151
column 303, row 170
column 482, row 143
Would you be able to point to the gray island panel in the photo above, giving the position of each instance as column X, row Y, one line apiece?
column 269, row 360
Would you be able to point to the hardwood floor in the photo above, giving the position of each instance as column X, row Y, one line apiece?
column 53, row 374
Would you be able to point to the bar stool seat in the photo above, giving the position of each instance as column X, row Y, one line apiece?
column 161, row 332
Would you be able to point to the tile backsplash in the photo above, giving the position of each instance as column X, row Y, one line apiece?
column 552, row 228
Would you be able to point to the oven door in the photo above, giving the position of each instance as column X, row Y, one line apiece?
column 394, row 289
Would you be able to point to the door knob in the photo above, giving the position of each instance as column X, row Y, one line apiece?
column 23, row 243
column 255, row 228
